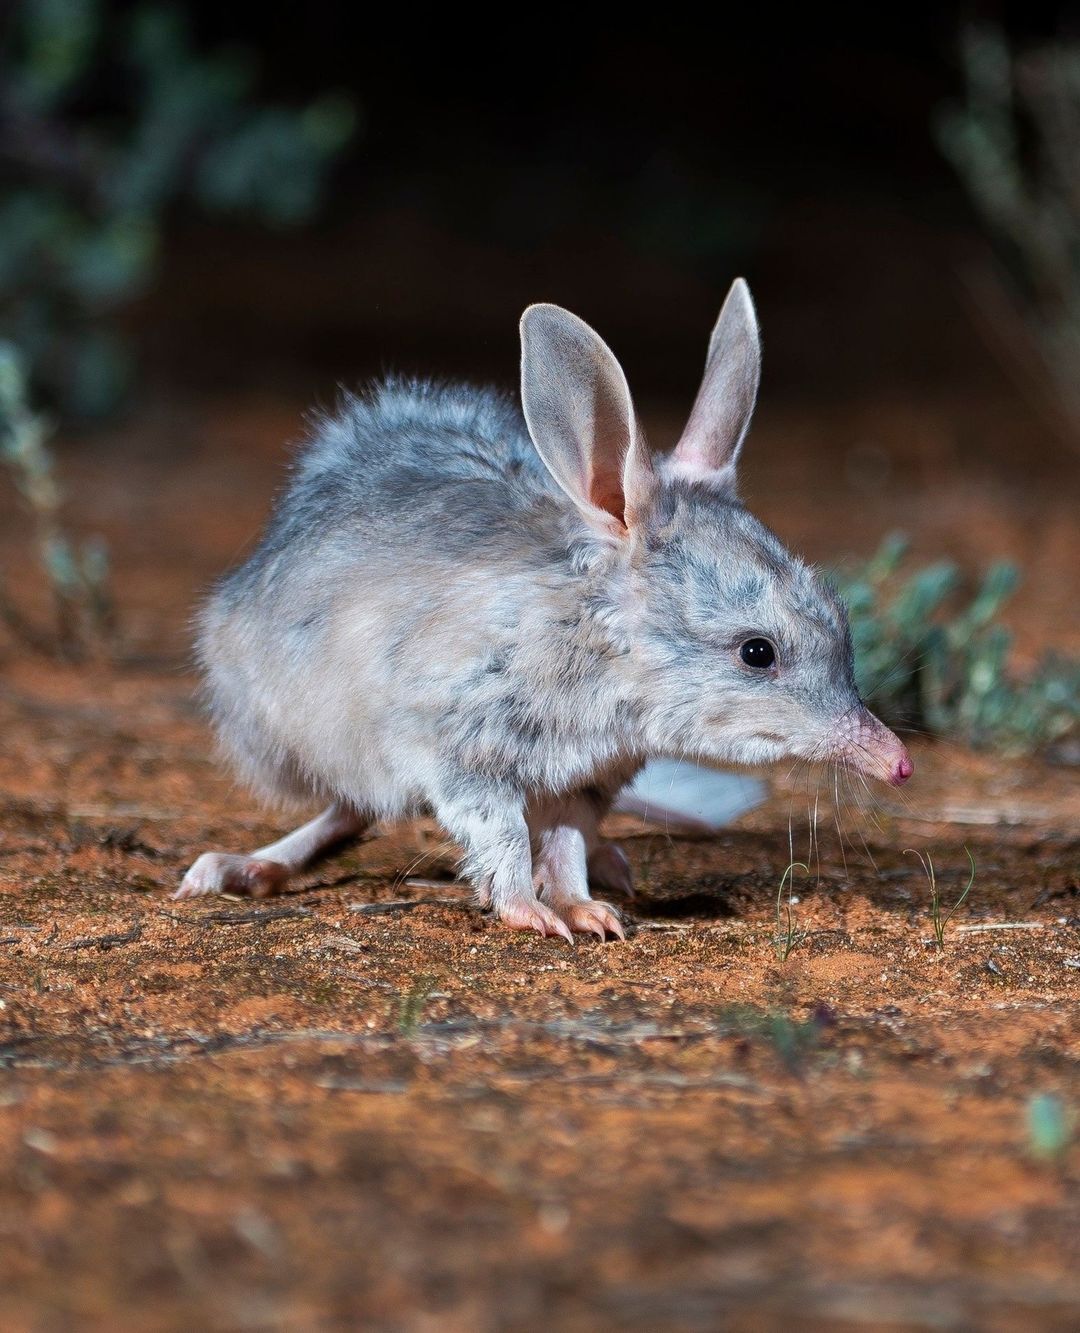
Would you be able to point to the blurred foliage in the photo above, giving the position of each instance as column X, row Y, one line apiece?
column 927, row 656
column 108, row 119
column 411, row 1005
column 1015, row 142
column 796, row 1041
column 77, row 574
column 1050, row 1127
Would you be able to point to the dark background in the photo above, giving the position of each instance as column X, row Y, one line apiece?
column 627, row 169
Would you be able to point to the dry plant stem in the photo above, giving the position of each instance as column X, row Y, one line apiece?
column 22, row 629
column 985, row 926
column 82, row 608
column 1014, row 144
column 1009, row 335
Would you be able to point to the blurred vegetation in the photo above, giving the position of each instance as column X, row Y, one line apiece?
column 1015, row 142
column 797, row 1042
column 77, row 575
column 1050, row 1128
column 110, row 120
column 928, row 656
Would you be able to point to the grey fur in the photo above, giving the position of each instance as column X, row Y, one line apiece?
column 433, row 623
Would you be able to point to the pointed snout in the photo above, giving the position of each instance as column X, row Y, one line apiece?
column 862, row 742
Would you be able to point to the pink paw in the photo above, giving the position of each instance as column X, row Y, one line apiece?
column 592, row 917
column 533, row 915
column 224, row 872
column 610, row 869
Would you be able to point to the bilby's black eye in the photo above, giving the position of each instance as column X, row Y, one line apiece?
column 758, row 653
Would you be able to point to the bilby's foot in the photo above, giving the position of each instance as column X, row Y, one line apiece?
column 610, row 869
column 590, row 917
column 562, row 872
column 225, row 872
column 531, row 914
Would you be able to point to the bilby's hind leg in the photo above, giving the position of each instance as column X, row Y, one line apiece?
column 609, row 867
column 562, row 868
column 267, row 870
column 607, row 863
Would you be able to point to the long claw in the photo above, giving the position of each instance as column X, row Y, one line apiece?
column 564, row 931
column 591, row 917
column 534, row 916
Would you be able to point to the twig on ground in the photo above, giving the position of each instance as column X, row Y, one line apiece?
column 1001, row 925
column 104, row 942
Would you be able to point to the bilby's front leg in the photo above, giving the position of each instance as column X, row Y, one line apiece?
column 563, row 864
column 267, row 870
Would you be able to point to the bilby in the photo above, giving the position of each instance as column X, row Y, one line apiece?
column 495, row 614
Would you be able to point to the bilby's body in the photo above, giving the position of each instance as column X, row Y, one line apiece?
column 496, row 615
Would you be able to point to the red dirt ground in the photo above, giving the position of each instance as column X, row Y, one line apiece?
column 366, row 1105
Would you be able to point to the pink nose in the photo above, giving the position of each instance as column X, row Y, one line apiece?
column 902, row 770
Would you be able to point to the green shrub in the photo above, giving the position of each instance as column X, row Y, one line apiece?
column 110, row 120
column 77, row 575
column 931, row 657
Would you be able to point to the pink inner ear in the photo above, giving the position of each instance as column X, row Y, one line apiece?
column 610, row 506
column 611, row 501
column 605, row 488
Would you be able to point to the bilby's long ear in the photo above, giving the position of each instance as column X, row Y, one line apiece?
column 581, row 418
column 721, row 414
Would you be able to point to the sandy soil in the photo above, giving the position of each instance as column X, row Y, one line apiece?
column 364, row 1104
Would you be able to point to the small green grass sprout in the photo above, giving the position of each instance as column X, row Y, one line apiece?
column 412, row 1004
column 938, row 919
column 788, row 936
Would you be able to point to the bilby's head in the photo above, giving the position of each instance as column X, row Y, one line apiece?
column 738, row 651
